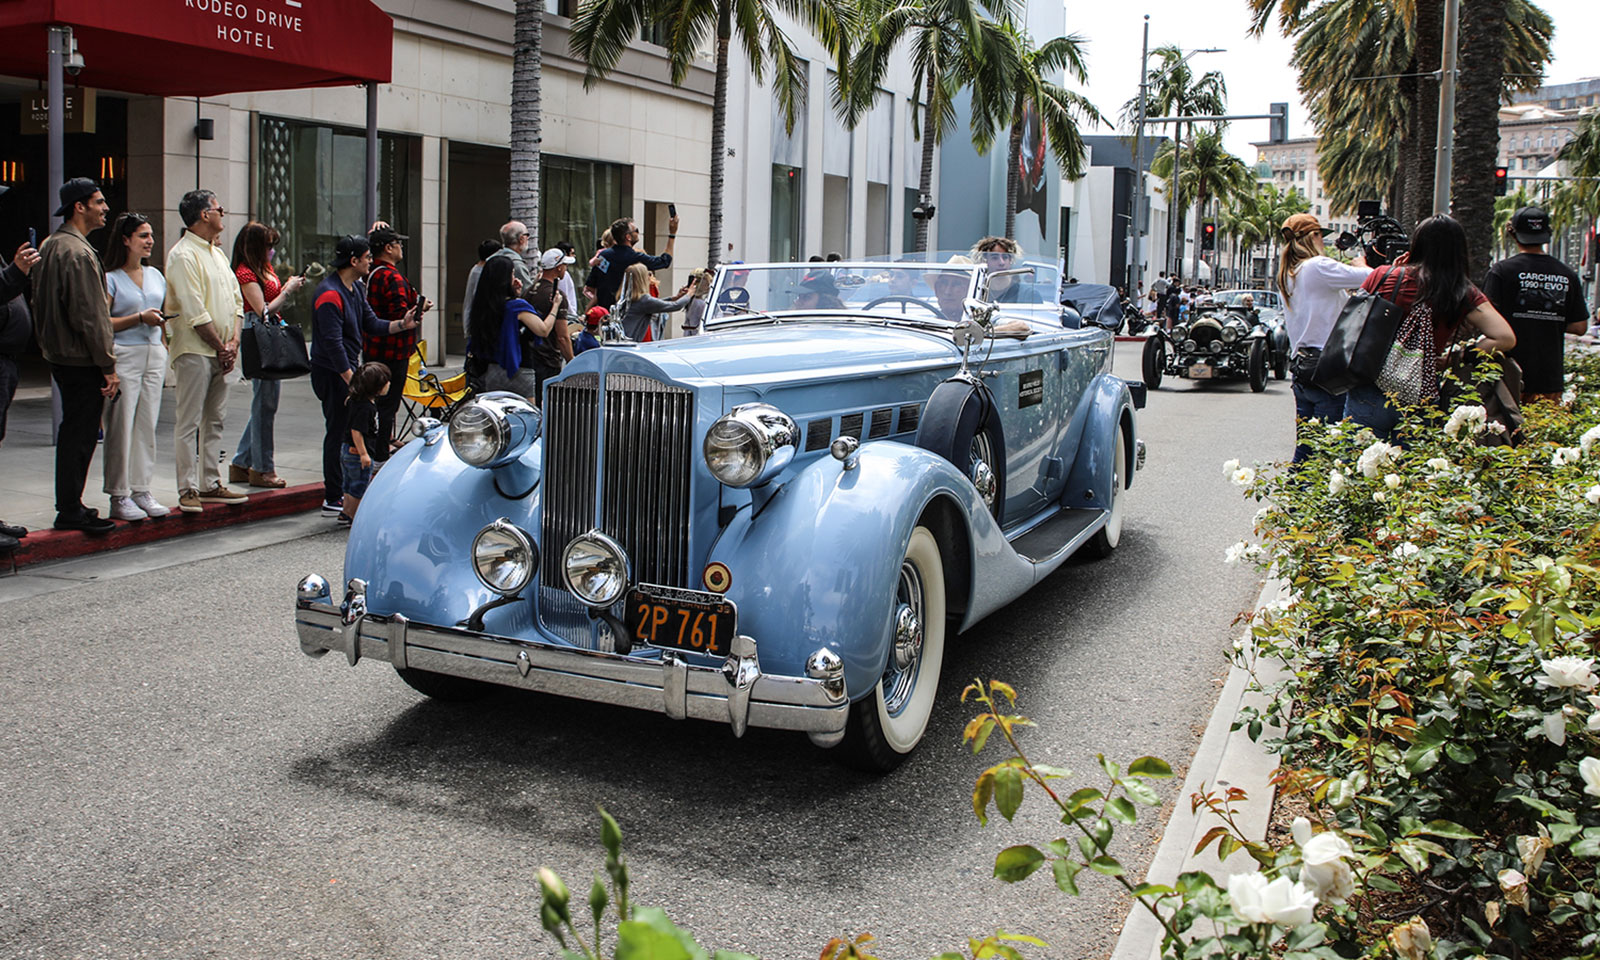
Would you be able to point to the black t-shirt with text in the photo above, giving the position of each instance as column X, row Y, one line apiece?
column 363, row 419
column 1538, row 295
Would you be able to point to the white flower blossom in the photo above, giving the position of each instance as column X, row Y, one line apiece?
column 1515, row 886
column 1533, row 849
column 1568, row 672
column 1555, row 728
column 1334, row 431
column 1392, row 481
column 1590, row 437
column 1470, row 418
column 1565, row 455
column 1568, row 398
column 1593, row 494
column 1379, row 497
column 1376, row 457
column 1323, row 856
column 1412, row 940
column 1405, row 549
column 1495, row 427
column 1589, row 771
column 1336, row 482
column 1235, row 553
column 1283, row 902
column 1438, row 465
column 1228, row 466
column 1262, row 515
column 1243, row 477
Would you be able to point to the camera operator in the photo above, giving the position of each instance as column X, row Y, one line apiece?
column 1314, row 287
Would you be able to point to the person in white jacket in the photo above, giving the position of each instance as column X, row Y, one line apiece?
column 1314, row 287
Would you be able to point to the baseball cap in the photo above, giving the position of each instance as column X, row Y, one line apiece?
column 383, row 236
column 1531, row 225
column 820, row 283
column 1302, row 223
column 74, row 190
column 553, row 258
column 595, row 316
column 349, row 248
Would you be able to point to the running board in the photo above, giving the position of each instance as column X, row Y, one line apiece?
column 1060, row 534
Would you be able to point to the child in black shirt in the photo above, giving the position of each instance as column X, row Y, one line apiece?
column 370, row 381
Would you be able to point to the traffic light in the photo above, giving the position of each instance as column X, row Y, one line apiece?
column 1502, row 179
column 1208, row 236
column 1279, row 124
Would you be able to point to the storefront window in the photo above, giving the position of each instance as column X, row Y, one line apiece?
column 311, row 184
column 788, row 212
column 578, row 199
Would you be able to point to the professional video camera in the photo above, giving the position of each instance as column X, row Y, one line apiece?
column 1381, row 238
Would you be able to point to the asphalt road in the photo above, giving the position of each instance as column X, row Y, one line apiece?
column 179, row 781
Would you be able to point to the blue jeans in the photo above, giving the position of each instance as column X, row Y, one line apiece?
column 255, row 445
column 1313, row 401
column 1366, row 405
column 356, row 477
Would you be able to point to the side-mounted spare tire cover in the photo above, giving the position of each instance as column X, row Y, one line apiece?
column 961, row 423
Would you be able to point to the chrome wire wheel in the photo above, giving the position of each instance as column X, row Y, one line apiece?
column 905, row 656
column 980, row 470
column 902, row 704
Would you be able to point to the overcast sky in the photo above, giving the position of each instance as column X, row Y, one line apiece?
column 1258, row 71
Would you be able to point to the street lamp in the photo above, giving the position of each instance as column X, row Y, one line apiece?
column 1136, row 268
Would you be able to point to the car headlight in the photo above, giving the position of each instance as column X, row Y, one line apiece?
column 494, row 429
column 503, row 557
column 1189, row 345
column 750, row 445
column 1230, row 333
column 595, row 568
column 1216, row 346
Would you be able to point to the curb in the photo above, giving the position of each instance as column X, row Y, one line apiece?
column 1225, row 758
column 41, row 546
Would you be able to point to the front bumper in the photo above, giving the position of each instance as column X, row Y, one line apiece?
column 736, row 693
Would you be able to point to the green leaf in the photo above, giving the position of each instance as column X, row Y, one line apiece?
column 1461, row 753
column 1153, row 890
column 1106, row 865
column 1121, row 809
column 985, row 727
column 1306, row 936
column 1007, row 791
column 1421, row 758
column 1414, row 857
column 1589, row 846
column 1141, row 791
column 1562, row 832
column 1546, row 808
column 982, row 793
column 1051, row 773
column 1150, row 767
column 638, row 940
column 1448, row 829
column 1066, row 873
column 1082, row 797
column 1016, row 863
column 1563, row 913
column 1378, row 881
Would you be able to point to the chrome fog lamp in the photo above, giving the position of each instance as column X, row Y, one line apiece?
column 750, row 445
column 595, row 568
column 1189, row 345
column 494, row 429
column 503, row 556
column 1216, row 346
column 1230, row 333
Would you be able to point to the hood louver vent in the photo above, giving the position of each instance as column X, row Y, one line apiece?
column 819, row 433
column 882, row 420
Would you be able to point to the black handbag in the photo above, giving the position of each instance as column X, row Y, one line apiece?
column 1360, row 341
column 273, row 350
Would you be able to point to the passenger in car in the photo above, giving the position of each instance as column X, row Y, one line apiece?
column 950, row 287
column 1002, row 253
column 818, row 291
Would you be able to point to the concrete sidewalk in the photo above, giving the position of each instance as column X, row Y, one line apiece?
column 27, row 471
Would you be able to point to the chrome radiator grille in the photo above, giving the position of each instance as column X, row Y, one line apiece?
column 643, row 473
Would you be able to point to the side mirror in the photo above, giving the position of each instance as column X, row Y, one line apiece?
column 980, row 310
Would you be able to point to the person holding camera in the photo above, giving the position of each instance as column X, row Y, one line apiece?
column 1314, row 287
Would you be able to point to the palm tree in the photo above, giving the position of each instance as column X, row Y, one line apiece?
column 1019, row 81
column 527, row 113
column 1175, row 91
column 945, row 40
column 603, row 29
column 1206, row 170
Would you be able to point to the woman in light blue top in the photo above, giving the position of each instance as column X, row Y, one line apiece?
column 136, row 292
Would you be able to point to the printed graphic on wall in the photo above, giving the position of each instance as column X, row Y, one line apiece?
column 1031, row 166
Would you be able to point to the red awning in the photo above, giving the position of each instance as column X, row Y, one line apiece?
column 197, row 48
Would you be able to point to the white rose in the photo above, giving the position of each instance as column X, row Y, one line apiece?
column 1438, row 465
column 1332, row 882
column 1555, row 728
column 1376, row 457
column 1568, row 398
column 1336, row 482
column 1565, row 455
column 1593, row 494
column 1288, row 903
column 1532, row 850
column 1589, row 770
column 1405, row 550
column 1234, row 553
column 1392, row 481
column 1334, row 431
column 1243, row 477
column 1379, row 497
column 1590, row 437
column 1568, row 672
column 1412, row 940
column 1515, row 886
column 1229, row 466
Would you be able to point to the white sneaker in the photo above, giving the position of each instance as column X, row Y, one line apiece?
column 123, row 509
column 144, row 501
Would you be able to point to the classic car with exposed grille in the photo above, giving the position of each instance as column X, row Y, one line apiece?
column 775, row 524
column 1226, row 337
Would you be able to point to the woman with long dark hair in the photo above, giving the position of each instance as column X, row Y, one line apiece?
column 495, row 318
column 137, row 291
column 1432, row 278
column 264, row 294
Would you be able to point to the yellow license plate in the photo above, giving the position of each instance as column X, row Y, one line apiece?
column 691, row 620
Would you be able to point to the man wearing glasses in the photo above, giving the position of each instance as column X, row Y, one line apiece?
column 204, row 296
column 606, row 275
column 514, row 245
column 999, row 253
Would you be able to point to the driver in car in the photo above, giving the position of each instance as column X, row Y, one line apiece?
column 818, row 291
column 950, row 287
column 1247, row 306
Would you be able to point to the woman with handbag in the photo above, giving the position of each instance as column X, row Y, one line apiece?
column 1436, row 300
column 1314, row 287
column 137, row 291
column 264, row 295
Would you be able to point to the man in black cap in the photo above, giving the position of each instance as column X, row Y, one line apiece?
column 72, row 322
column 818, row 291
column 1542, row 298
column 392, row 297
column 15, row 327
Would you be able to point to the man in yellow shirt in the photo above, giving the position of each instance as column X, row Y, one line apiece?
column 204, row 295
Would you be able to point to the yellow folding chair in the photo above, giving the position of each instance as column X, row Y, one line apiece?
column 425, row 395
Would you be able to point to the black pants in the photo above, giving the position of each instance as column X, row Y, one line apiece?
column 388, row 405
column 81, row 406
column 331, row 389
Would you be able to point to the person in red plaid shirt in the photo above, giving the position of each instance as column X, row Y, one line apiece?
column 390, row 296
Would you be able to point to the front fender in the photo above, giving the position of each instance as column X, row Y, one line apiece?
column 412, row 537
column 817, row 565
column 1110, row 409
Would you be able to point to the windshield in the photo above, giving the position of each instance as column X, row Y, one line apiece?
column 1235, row 298
column 932, row 286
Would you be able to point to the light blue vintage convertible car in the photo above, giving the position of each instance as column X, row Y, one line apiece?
column 776, row 524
